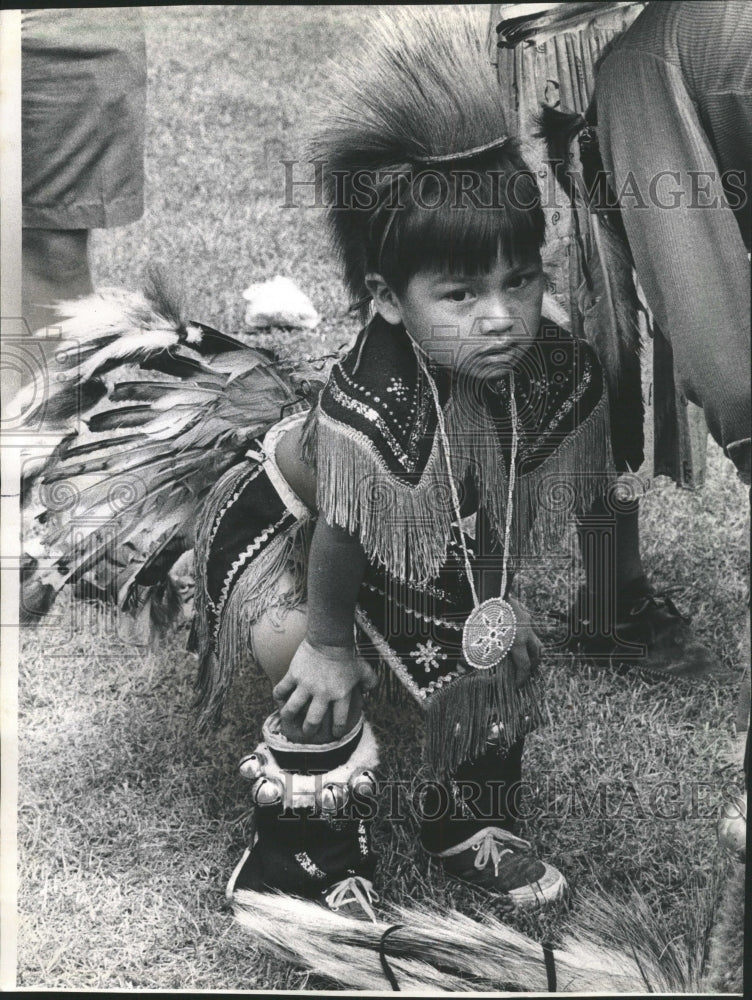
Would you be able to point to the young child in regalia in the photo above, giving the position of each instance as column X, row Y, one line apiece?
column 377, row 527
column 348, row 542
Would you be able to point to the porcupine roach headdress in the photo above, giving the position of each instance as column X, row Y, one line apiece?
column 420, row 101
column 420, row 171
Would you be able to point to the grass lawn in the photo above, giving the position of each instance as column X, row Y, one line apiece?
column 129, row 822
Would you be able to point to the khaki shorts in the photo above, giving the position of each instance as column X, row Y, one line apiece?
column 83, row 109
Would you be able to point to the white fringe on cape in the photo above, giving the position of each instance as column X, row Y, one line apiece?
column 406, row 528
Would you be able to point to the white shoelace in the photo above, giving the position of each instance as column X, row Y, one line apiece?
column 490, row 849
column 354, row 889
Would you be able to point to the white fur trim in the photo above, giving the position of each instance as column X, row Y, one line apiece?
column 275, row 739
column 301, row 789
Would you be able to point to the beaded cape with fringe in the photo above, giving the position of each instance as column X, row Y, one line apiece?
column 381, row 474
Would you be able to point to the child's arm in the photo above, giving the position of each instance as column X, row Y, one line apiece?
column 526, row 648
column 325, row 670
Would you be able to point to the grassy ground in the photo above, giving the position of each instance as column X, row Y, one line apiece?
column 129, row 823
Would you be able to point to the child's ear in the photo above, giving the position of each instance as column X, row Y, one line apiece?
column 385, row 301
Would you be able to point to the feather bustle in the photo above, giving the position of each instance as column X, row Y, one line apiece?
column 118, row 498
column 558, row 129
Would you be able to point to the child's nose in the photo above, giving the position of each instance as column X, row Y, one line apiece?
column 497, row 322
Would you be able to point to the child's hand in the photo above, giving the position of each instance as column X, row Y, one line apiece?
column 527, row 647
column 321, row 677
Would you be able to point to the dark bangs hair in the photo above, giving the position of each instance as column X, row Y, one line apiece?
column 458, row 218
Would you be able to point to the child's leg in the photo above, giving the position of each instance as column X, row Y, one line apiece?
column 314, row 805
column 480, row 793
column 468, row 823
column 275, row 638
column 627, row 566
column 312, row 827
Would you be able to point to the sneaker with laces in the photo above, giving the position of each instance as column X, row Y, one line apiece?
column 499, row 862
column 651, row 635
column 353, row 897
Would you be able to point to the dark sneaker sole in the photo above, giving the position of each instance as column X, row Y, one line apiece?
column 637, row 666
column 549, row 888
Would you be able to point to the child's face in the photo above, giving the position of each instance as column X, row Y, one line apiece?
column 478, row 324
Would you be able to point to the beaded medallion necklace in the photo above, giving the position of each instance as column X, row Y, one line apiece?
column 491, row 626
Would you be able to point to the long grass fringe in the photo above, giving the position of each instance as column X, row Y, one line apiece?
column 726, row 943
column 564, row 485
column 458, row 716
column 255, row 590
column 215, row 502
column 405, row 528
column 328, row 944
column 616, row 948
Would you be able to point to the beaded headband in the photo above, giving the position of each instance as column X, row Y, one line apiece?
column 464, row 154
column 439, row 158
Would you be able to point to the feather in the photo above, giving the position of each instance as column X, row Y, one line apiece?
column 558, row 129
column 159, row 393
column 215, row 342
column 113, row 456
column 126, row 416
column 156, row 610
column 61, row 406
column 159, row 563
column 127, row 347
column 164, row 296
column 77, row 446
column 164, row 544
column 175, row 364
column 609, row 303
column 119, row 507
column 37, row 598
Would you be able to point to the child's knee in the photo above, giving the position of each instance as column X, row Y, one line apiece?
column 275, row 638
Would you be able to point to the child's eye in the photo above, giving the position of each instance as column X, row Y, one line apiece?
column 519, row 281
column 458, row 295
